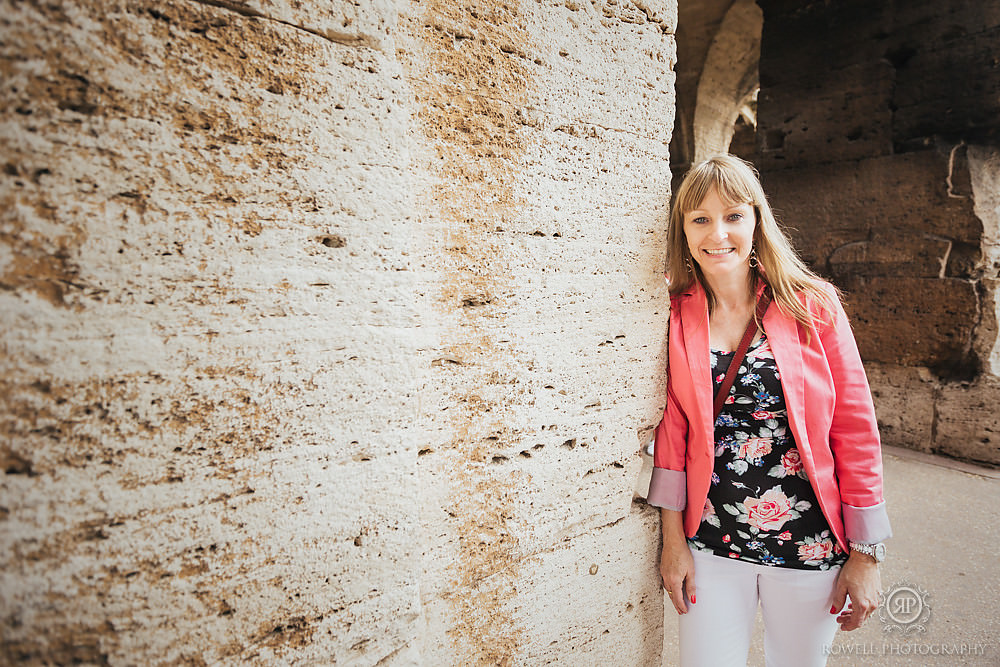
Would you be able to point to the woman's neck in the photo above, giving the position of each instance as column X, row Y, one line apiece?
column 733, row 293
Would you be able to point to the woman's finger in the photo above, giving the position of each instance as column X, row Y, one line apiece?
column 675, row 592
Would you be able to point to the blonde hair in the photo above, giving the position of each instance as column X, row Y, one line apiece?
column 778, row 265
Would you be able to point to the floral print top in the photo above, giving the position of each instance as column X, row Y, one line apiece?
column 761, row 507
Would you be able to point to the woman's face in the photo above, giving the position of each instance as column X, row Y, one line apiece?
column 720, row 236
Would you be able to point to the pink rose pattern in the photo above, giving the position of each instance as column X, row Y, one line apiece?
column 818, row 549
column 754, row 448
column 708, row 515
column 770, row 511
column 761, row 507
column 791, row 464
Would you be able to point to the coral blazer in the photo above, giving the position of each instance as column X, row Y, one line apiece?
column 830, row 413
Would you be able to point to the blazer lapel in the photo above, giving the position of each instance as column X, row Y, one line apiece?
column 783, row 335
column 694, row 316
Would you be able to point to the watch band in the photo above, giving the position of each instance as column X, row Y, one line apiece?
column 876, row 551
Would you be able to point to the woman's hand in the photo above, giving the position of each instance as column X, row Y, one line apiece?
column 676, row 563
column 859, row 578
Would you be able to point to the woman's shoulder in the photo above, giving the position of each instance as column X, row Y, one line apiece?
column 689, row 291
column 817, row 292
column 822, row 300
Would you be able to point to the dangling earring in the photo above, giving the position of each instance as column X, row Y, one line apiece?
column 687, row 263
column 753, row 258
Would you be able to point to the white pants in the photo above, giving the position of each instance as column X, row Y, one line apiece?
column 795, row 605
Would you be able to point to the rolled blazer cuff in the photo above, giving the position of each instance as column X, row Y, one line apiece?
column 866, row 525
column 668, row 489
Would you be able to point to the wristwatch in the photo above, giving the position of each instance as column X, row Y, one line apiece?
column 876, row 551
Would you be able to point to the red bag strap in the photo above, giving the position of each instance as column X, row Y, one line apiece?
column 741, row 352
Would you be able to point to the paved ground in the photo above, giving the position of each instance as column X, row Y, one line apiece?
column 946, row 550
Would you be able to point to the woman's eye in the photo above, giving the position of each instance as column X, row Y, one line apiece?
column 735, row 217
column 700, row 220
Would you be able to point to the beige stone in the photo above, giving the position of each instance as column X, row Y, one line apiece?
column 330, row 330
column 984, row 167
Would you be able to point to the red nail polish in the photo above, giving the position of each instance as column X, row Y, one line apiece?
column 833, row 609
column 693, row 601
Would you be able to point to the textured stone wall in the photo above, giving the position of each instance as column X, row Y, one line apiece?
column 877, row 132
column 331, row 330
column 718, row 50
column 698, row 23
column 728, row 79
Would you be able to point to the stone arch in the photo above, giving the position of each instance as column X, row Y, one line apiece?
column 729, row 80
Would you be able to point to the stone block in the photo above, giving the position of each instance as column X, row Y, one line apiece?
column 802, row 39
column 905, row 399
column 329, row 328
column 930, row 98
column 968, row 424
column 898, row 206
column 914, row 321
column 889, row 253
column 824, row 119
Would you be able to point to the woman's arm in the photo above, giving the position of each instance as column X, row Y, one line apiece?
column 668, row 484
column 854, row 437
column 676, row 563
column 857, row 455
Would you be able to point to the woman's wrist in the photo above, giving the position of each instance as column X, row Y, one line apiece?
column 862, row 558
column 672, row 526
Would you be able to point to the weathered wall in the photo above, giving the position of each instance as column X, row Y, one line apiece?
column 331, row 331
column 698, row 22
column 718, row 49
column 876, row 128
column 728, row 79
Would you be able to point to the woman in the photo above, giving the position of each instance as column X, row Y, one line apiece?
column 777, row 501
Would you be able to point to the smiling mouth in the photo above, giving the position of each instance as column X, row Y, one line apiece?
column 717, row 253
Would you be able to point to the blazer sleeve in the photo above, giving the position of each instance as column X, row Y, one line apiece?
column 854, row 437
column 668, row 483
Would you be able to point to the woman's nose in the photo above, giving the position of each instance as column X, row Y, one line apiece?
column 718, row 232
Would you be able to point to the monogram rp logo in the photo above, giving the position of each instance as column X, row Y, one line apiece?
column 904, row 609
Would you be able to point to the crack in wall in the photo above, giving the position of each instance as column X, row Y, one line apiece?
column 951, row 172
column 342, row 38
column 935, row 415
column 943, row 260
column 527, row 107
column 643, row 6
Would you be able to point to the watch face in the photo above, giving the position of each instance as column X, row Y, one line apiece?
column 879, row 552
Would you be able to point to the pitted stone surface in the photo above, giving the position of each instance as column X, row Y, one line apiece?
column 331, row 331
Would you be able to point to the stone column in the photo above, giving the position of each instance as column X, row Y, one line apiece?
column 331, row 330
